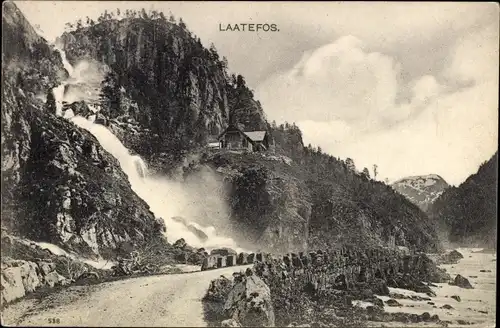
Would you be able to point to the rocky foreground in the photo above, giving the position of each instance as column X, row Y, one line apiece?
column 344, row 288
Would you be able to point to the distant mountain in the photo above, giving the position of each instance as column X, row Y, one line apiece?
column 469, row 212
column 421, row 190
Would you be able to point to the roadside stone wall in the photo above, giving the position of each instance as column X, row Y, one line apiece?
column 344, row 267
column 19, row 278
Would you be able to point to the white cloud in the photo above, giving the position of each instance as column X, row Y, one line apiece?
column 343, row 98
column 339, row 81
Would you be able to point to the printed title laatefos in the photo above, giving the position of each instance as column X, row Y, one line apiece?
column 248, row 27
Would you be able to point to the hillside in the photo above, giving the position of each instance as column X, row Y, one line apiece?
column 284, row 204
column 468, row 213
column 164, row 96
column 163, row 81
column 183, row 95
column 421, row 190
column 58, row 184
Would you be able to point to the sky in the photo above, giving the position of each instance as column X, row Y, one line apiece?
column 411, row 87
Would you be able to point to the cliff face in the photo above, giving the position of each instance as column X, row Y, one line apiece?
column 27, row 60
column 58, row 184
column 281, row 205
column 165, row 80
column 270, row 207
column 163, row 94
column 421, row 190
column 30, row 67
column 468, row 213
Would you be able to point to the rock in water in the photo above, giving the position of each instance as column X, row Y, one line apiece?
column 249, row 302
column 392, row 302
column 463, row 282
column 451, row 257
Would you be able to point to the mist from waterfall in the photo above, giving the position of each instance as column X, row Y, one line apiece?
column 166, row 198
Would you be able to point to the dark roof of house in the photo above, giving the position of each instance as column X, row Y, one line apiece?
column 252, row 135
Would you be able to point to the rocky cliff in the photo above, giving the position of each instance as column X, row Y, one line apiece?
column 421, row 190
column 58, row 184
column 161, row 77
column 282, row 205
column 165, row 94
column 468, row 213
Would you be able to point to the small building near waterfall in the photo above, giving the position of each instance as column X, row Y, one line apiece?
column 234, row 138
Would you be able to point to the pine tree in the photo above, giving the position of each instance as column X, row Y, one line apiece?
column 182, row 24
column 366, row 173
column 350, row 164
column 375, row 172
column 110, row 96
column 50, row 103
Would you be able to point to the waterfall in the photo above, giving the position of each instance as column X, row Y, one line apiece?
column 160, row 194
column 59, row 96
column 65, row 61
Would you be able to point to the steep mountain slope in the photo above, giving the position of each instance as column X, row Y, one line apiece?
column 468, row 213
column 58, row 184
column 165, row 81
column 421, row 190
column 164, row 95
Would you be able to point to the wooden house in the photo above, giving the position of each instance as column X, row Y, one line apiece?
column 235, row 138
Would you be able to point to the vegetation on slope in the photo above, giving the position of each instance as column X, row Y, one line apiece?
column 161, row 76
column 468, row 213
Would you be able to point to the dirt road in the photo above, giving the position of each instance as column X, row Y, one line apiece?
column 167, row 300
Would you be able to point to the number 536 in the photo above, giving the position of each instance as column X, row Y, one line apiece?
column 54, row 320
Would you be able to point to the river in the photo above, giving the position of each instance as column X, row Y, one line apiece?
column 477, row 306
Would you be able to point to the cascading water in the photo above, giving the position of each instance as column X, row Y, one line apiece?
column 158, row 193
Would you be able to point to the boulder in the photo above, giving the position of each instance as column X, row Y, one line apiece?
column 223, row 251
column 249, row 302
column 242, row 259
column 101, row 119
column 462, row 282
column 180, row 243
column 450, row 258
column 46, row 267
column 230, row 323
column 379, row 287
column 209, row 262
column 230, row 260
column 287, row 261
column 392, row 302
column 221, row 261
column 463, row 322
column 218, row 289
column 12, row 284
column 426, row 317
column 456, row 298
column 55, row 279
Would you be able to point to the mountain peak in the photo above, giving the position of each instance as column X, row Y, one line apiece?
column 422, row 190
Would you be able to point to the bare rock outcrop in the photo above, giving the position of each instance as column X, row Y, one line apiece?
column 249, row 302
column 19, row 278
